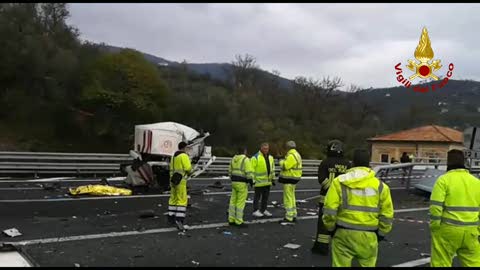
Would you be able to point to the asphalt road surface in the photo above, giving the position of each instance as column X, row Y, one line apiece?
column 62, row 230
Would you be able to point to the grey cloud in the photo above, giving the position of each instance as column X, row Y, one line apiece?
column 359, row 42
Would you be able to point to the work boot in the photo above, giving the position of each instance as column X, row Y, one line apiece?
column 266, row 213
column 284, row 220
column 231, row 223
column 242, row 225
column 257, row 214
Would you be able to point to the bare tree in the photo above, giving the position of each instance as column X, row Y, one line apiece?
column 314, row 88
column 244, row 71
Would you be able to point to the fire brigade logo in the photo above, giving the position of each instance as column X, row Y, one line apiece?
column 424, row 66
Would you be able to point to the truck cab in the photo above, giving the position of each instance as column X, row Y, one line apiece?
column 157, row 143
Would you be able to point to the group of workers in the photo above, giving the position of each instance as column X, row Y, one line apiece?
column 355, row 208
column 259, row 172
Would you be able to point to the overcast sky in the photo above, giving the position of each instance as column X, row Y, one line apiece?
column 361, row 43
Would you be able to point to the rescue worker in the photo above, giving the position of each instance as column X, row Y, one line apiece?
column 358, row 212
column 454, row 215
column 290, row 175
column 334, row 165
column 240, row 172
column 263, row 167
column 180, row 168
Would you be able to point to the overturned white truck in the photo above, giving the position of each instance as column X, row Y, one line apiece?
column 155, row 144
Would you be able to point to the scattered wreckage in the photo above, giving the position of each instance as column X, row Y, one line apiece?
column 155, row 144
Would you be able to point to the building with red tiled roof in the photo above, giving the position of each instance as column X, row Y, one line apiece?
column 430, row 141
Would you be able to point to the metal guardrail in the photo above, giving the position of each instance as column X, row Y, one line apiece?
column 405, row 171
column 69, row 164
column 47, row 163
column 76, row 164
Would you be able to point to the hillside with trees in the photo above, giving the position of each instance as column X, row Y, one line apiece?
column 60, row 94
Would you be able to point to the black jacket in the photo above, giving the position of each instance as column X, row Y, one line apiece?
column 329, row 169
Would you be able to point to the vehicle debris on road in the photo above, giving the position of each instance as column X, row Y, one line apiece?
column 13, row 232
column 196, row 263
column 292, row 246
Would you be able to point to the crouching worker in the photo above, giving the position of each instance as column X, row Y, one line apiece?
column 180, row 168
column 241, row 174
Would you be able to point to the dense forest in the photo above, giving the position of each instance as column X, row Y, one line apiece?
column 58, row 93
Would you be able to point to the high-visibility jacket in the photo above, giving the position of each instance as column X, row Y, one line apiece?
column 291, row 168
column 240, row 169
column 455, row 199
column 357, row 200
column 180, row 163
column 261, row 177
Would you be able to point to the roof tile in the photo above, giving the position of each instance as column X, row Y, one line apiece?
column 431, row 133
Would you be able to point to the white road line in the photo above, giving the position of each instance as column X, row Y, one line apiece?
column 413, row 263
column 318, row 196
column 161, row 230
column 133, row 197
column 114, row 179
column 144, row 196
column 62, row 181
column 117, row 234
column 412, row 210
column 24, row 188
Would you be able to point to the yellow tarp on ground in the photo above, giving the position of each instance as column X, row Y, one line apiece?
column 100, row 190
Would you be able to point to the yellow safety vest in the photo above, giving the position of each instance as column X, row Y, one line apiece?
column 260, row 174
column 180, row 164
column 357, row 200
column 240, row 169
column 291, row 168
column 455, row 199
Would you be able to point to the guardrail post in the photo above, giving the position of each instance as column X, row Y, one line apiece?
column 409, row 177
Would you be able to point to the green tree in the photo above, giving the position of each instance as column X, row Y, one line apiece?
column 123, row 89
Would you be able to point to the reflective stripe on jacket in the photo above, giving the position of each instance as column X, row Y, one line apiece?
column 358, row 200
column 455, row 199
column 291, row 168
column 240, row 169
column 180, row 163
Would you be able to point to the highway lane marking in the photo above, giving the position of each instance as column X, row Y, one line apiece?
column 115, row 179
column 144, row 196
column 160, row 230
column 412, row 210
column 318, row 196
column 413, row 263
column 134, row 196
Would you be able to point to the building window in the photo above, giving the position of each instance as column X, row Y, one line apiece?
column 384, row 158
